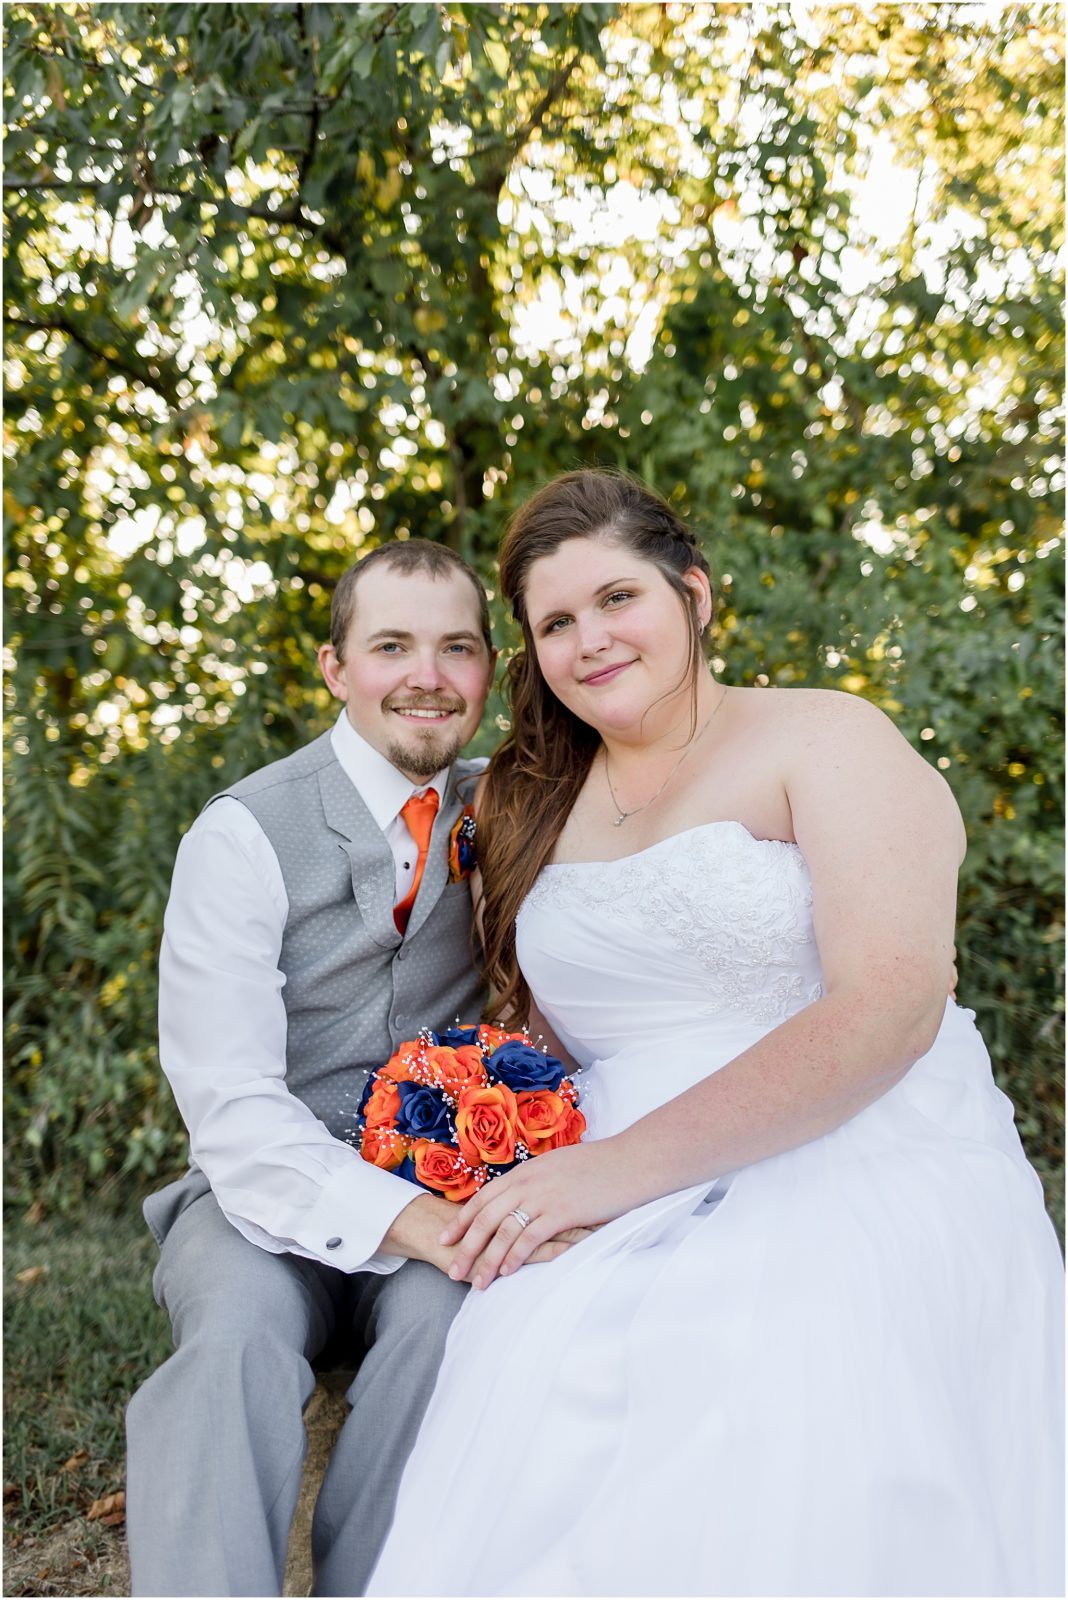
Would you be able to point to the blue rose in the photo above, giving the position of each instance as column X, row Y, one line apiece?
column 453, row 1038
column 521, row 1067
column 407, row 1170
column 424, row 1113
column 368, row 1090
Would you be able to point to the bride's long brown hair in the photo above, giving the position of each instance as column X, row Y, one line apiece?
column 535, row 777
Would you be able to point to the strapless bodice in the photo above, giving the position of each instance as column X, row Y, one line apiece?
column 708, row 928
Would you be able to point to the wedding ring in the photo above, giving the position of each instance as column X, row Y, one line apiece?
column 520, row 1216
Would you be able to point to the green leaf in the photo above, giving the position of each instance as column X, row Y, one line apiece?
column 363, row 62
column 136, row 291
column 246, row 139
column 181, row 102
column 496, row 54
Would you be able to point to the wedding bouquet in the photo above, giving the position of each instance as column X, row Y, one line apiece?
column 451, row 1110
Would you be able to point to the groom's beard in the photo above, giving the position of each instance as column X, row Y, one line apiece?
column 427, row 749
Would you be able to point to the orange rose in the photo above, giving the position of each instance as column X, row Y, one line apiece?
column 445, row 1171
column 470, row 1058
column 382, row 1147
column 485, row 1124
column 571, row 1132
column 540, row 1115
column 382, row 1105
column 454, row 1070
column 402, row 1065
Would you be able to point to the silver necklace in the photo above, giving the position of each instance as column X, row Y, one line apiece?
column 623, row 815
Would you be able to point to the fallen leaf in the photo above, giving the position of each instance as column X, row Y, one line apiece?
column 35, row 1214
column 10, row 1490
column 110, row 1509
column 31, row 1275
column 77, row 1460
column 116, row 1520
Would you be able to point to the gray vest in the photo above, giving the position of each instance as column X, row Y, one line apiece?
column 354, row 988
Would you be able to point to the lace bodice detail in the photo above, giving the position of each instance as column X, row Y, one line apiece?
column 711, row 922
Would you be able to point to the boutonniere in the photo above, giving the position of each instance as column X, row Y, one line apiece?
column 462, row 858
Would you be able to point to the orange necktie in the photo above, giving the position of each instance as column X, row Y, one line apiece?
column 419, row 813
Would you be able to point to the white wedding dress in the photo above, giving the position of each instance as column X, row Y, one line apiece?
column 837, row 1372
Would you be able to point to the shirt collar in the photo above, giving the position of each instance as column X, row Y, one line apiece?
column 381, row 787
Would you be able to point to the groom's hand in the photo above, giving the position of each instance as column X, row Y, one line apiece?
column 416, row 1234
column 556, row 1247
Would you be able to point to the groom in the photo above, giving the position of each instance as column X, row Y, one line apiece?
column 314, row 922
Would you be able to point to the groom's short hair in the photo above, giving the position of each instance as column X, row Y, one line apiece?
column 402, row 555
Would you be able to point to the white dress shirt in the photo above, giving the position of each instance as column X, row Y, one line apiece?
column 278, row 1174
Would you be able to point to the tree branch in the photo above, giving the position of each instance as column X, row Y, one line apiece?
column 496, row 170
column 537, row 117
column 293, row 211
column 150, row 377
column 283, row 216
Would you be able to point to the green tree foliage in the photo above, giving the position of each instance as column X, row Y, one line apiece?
column 285, row 280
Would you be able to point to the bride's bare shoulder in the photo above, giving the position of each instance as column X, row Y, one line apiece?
column 809, row 708
column 836, row 740
column 807, row 716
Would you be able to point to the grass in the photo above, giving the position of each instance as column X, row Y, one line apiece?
column 80, row 1336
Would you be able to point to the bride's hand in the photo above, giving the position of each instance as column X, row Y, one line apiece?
column 576, row 1188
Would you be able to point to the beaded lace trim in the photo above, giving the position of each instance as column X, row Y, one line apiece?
column 741, row 906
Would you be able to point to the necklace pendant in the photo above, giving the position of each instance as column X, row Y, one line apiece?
column 620, row 820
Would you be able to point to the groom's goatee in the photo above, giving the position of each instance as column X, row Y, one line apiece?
column 426, row 760
column 430, row 748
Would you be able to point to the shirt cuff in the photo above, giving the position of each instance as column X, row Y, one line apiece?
column 355, row 1210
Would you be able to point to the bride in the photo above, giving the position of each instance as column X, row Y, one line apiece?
column 814, row 1345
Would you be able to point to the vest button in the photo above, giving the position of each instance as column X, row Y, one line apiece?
column 332, row 1244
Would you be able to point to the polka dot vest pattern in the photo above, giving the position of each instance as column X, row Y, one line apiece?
column 354, row 988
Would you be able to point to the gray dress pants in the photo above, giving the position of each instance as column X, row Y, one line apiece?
column 216, row 1439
